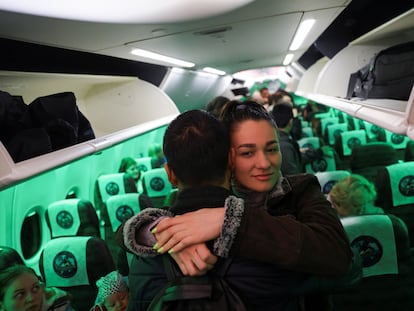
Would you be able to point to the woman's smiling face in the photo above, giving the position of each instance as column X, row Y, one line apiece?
column 256, row 156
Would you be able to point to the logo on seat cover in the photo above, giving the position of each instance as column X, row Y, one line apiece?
column 157, row 184
column 353, row 142
column 397, row 139
column 375, row 129
column 65, row 264
column 406, row 186
column 64, row 219
column 124, row 212
column 369, row 248
column 112, row 188
column 328, row 186
column 319, row 165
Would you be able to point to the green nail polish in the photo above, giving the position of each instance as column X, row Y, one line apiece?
column 155, row 246
column 153, row 231
column 171, row 251
column 160, row 249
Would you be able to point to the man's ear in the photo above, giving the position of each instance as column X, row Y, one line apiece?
column 171, row 176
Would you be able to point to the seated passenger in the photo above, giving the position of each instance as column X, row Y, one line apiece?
column 294, row 159
column 157, row 155
column 129, row 165
column 113, row 293
column 354, row 195
column 21, row 290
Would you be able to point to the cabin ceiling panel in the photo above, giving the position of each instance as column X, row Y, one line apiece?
column 265, row 23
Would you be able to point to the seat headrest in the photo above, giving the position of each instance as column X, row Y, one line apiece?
column 156, row 183
column 144, row 164
column 328, row 179
column 374, row 237
column 111, row 184
column 309, row 142
column 64, row 217
column 64, row 262
column 121, row 208
column 352, row 139
column 335, row 130
column 402, row 183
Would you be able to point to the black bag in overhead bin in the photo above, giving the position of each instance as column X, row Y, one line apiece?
column 59, row 115
column 49, row 123
column 389, row 74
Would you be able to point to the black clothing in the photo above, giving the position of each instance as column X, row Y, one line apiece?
column 261, row 286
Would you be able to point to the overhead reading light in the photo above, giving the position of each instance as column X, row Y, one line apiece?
column 288, row 59
column 162, row 58
column 214, row 71
column 301, row 34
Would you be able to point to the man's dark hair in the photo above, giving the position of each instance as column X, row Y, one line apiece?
column 216, row 104
column 196, row 145
column 282, row 113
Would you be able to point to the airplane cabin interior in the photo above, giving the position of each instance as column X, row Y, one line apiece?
column 120, row 104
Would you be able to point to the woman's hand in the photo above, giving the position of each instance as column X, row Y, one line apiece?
column 195, row 260
column 175, row 234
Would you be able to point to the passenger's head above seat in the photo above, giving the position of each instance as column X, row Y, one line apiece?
column 354, row 195
column 8, row 257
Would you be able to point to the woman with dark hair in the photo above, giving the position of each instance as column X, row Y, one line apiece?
column 286, row 221
column 129, row 165
column 21, row 290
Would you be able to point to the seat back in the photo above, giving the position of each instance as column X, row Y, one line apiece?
column 144, row 164
column 72, row 217
column 352, row 139
column 307, row 132
column 367, row 159
column 111, row 184
column 335, row 130
column 309, row 142
column 327, row 122
column 395, row 192
column 387, row 268
column 373, row 236
column 75, row 264
column 328, row 179
column 122, row 207
column 8, row 257
column 156, row 185
column 409, row 151
column 397, row 141
column 373, row 131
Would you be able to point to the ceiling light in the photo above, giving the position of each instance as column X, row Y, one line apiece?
column 162, row 58
column 288, row 59
column 301, row 34
column 214, row 71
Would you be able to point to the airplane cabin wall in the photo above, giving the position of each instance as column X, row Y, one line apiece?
column 193, row 90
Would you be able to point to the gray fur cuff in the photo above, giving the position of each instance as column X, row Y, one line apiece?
column 234, row 208
column 137, row 231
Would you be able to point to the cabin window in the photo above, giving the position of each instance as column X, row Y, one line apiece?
column 72, row 194
column 30, row 235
